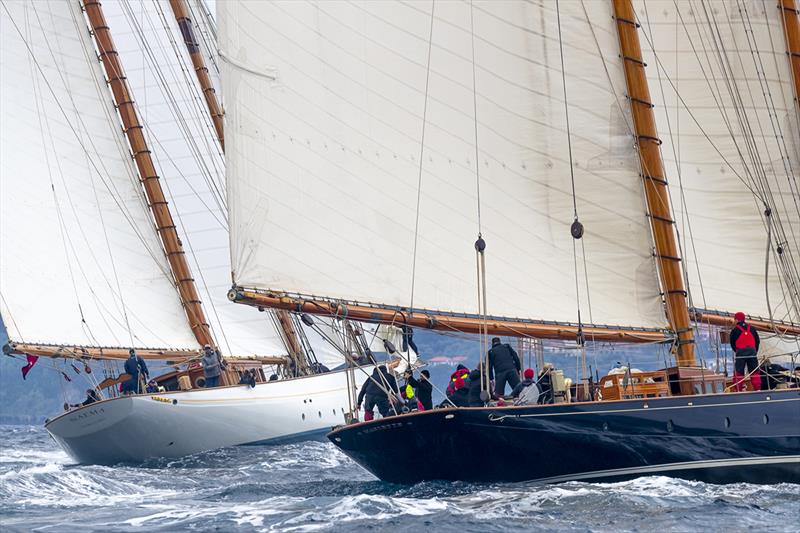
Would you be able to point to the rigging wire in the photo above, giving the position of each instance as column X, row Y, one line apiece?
column 421, row 156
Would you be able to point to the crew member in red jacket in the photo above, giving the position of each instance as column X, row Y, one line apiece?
column 745, row 343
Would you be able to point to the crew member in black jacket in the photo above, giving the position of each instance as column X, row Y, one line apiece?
column 423, row 388
column 504, row 366
column 374, row 392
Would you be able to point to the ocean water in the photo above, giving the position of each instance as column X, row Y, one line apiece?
column 312, row 487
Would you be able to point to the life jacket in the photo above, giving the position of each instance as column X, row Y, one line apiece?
column 409, row 392
column 745, row 338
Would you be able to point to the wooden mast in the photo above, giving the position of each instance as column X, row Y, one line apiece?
column 181, row 12
column 790, row 18
column 655, row 183
column 148, row 177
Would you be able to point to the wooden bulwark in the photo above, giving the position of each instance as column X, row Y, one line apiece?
column 165, row 226
column 442, row 322
column 655, row 184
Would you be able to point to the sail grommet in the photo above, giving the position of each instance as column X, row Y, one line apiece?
column 480, row 245
column 576, row 229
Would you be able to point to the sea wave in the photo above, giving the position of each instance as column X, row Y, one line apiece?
column 313, row 487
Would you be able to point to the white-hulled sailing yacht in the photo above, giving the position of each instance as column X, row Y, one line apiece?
column 97, row 257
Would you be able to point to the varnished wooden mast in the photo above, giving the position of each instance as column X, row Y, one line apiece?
column 790, row 18
column 181, row 11
column 655, row 182
column 441, row 322
column 165, row 226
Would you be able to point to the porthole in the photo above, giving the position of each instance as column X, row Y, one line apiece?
column 766, row 419
column 303, row 416
column 319, row 413
column 605, row 426
column 727, row 422
column 334, row 412
column 670, row 426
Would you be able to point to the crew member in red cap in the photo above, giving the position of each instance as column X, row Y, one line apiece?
column 526, row 392
column 745, row 343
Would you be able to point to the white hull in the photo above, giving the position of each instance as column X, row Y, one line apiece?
column 175, row 424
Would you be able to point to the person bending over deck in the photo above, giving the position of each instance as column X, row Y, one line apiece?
column 745, row 343
column 248, row 378
column 423, row 387
column 212, row 366
column 475, row 390
column 375, row 392
column 504, row 366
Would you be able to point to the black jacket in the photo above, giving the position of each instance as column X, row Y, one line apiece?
column 424, row 391
column 503, row 358
column 735, row 335
column 375, row 385
column 475, row 389
column 460, row 397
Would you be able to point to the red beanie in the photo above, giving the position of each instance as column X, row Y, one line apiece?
column 528, row 373
column 739, row 317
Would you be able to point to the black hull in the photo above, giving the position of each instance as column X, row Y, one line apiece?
column 724, row 438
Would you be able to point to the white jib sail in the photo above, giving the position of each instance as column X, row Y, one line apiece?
column 324, row 119
column 81, row 261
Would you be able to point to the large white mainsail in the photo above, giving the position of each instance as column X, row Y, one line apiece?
column 324, row 113
column 731, row 144
column 81, row 261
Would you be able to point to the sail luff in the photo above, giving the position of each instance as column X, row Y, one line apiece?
column 134, row 132
column 655, row 183
column 443, row 322
column 791, row 31
column 181, row 12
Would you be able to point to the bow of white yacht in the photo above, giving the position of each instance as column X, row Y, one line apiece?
column 175, row 424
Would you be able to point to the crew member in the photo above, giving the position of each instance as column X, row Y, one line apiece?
column 91, row 397
column 212, row 366
column 248, row 378
column 408, row 339
column 745, row 343
column 424, row 389
column 376, row 391
column 458, row 379
column 475, row 390
column 137, row 369
column 527, row 391
column 545, row 384
column 504, row 366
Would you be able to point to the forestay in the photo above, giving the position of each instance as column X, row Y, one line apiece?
column 81, row 262
column 722, row 87
column 324, row 119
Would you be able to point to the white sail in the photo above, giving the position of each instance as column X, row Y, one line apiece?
column 81, row 261
column 324, row 120
column 726, row 61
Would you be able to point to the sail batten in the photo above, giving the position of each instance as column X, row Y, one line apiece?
column 323, row 169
